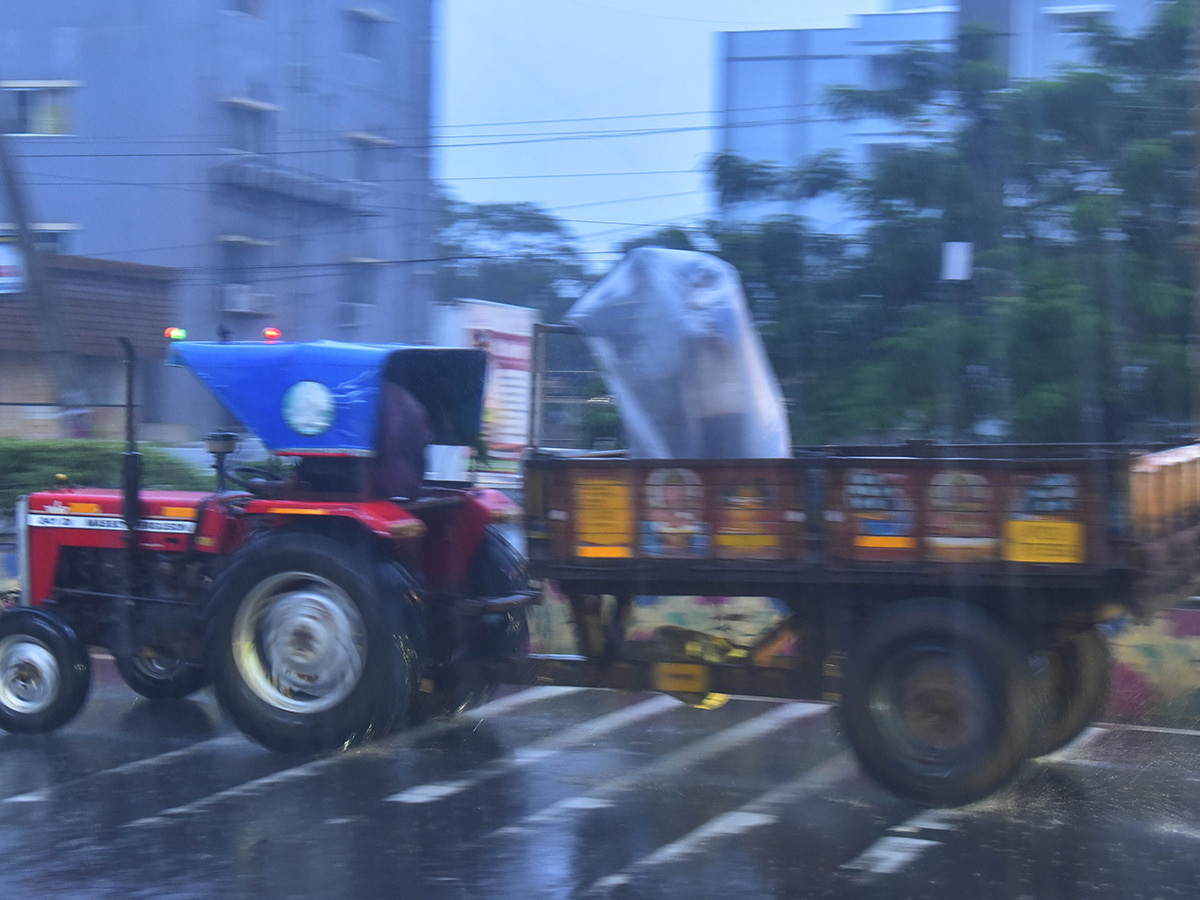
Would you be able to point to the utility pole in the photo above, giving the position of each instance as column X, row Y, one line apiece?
column 43, row 306
column 1193, row 354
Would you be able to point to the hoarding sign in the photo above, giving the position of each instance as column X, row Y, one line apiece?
column 12, row 269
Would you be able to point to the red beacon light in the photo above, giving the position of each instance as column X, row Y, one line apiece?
column 271, row 335
column 175, row 333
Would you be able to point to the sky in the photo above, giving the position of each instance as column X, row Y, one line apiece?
column 514, row 80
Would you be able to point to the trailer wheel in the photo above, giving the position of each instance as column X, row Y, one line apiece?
column 937, row 702
column 45, row 672
column 301, row 648
column 1072, row 690
column 159, row 677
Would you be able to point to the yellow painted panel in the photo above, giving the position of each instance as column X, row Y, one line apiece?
column 179, row 512
column 681, row 678
column 882, row 542
column 747, row 541
column 593, row 552
column 84, row 507
column 604, row 515
column 1044, row 541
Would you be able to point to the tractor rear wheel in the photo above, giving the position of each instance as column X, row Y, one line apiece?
column 45, row 672
column 302, row 649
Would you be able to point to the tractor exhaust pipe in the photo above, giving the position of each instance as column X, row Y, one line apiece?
column 131, row 459
column 131, row 506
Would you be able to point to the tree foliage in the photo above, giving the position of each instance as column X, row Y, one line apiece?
column 1074, row 192
column 514, row 253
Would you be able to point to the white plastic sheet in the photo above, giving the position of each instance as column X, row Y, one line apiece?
column 672, row 334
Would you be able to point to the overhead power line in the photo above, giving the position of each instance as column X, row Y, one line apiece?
column 513, row 138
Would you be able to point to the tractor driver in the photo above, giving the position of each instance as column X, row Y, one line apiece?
column 404, row 434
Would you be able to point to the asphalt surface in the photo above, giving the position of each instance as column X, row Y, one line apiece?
column 557, row 793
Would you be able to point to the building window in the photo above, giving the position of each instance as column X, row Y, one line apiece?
column 883, row 73
column 49, row 237
column 36, row 107
column 366, row 153
column 238, row 261
column 366, row 162
column 240, row 257
column 1078, row 18
column 359, row 292
column 249, row 124
column 364, row 28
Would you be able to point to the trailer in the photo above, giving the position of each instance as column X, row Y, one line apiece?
column 949, row 599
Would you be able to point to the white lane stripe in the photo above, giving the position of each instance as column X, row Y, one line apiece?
column 889, row 855
column 942, row 820
column 1178, row 829
column 1111, row 766
column 895, row 850
column 136, row 766
column 496, row 707
column 1152, row 729
column 1086, row 738
column 672, row 763
column 540, row 750
column 519, row 699
column 761, row 811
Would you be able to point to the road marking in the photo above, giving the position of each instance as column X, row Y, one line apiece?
column 930, row 821
column 889, row 854
column 758, row 813
column 1152, row 729
column 691, row 755
column 897, row 849
column 1086, row 738
column 306, row 770
column 541, row 750
column 137, row 765
column 428, row 793
column 1179, row 829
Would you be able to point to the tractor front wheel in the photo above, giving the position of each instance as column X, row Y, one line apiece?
column 45, row 672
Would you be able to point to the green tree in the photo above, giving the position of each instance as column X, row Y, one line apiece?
column 509, row 253
column 670, row 238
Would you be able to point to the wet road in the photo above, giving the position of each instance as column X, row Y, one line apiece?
column 556, row 793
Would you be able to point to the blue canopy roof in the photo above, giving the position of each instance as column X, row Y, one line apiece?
column 322, row 397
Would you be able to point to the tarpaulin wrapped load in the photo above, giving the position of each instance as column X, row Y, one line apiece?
column 672, row 333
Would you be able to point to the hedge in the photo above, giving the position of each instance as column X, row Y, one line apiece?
column 31, row 465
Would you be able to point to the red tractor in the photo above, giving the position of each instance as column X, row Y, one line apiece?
column 326, row 600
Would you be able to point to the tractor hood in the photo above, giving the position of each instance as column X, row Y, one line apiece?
column 322, row 397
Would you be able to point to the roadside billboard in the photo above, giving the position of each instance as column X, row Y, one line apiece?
column 506, row 333
column 12, row 268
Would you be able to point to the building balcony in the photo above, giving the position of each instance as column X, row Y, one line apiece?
column 255, row 174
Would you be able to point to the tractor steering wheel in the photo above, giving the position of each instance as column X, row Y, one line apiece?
column 254, row 479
